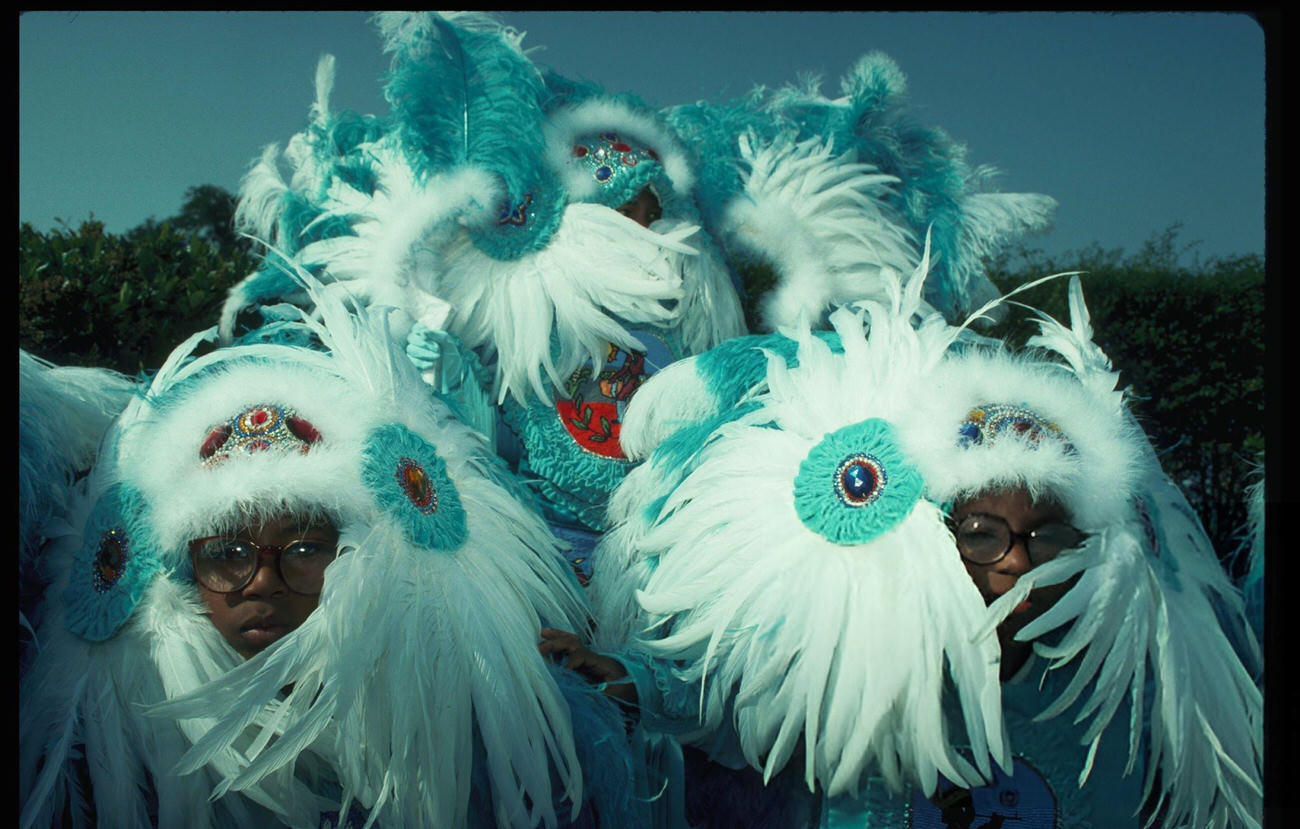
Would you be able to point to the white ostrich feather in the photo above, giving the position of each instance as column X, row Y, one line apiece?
column 782, row 629
column 823, row 221
column 546, row 313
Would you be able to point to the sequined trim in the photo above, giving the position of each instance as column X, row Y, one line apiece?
column 987, row 424
column 258, row 428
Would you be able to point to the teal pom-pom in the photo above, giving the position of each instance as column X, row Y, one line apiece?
column 409, row 482
column 112, row 570
column 856, row 484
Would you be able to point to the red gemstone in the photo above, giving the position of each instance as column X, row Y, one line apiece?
column 416, row 483
column 260, row 416
column 579, row 151
column 620, row 147
column 303, row 430
column 215, row 440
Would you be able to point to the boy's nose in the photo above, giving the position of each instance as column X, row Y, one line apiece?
column 1016, row 561
column 266, row 581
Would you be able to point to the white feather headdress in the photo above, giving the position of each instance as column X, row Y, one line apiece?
column 461, row 213
column 715, row 568
column 417, row 672
column 1154, row 616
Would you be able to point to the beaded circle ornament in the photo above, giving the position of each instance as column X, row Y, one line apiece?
column 260, row 428
column 619, row 167
column 112, row 570
column 409, row 482
column 987, row 424
column 856, row 484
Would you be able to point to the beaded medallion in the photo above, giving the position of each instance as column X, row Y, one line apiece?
column 258, row 428
column 987, row 424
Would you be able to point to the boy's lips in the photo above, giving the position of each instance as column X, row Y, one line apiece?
column 263, row 631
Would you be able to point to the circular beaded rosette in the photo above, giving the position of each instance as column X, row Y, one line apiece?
column 856, row 484
column 409, row 482
column 111, row 571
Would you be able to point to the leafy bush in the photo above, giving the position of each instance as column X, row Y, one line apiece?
column 90, row 298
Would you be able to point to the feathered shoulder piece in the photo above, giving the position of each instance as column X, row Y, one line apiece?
column 63, row 411
column 1152, row 619
column 775, row 541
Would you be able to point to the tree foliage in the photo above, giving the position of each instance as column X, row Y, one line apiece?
column 91, row 298
column 1188, row 341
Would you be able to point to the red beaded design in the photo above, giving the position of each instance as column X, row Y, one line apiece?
column 258, row 428
column 415, row 482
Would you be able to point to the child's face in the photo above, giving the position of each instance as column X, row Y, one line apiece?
column 1022, row 515
column 643, row 208
column 265, row 610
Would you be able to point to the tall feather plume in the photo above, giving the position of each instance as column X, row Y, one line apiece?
column 463, row 92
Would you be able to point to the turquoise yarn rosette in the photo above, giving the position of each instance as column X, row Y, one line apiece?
column 856, row 484
column 113, row 568
column 409, row 482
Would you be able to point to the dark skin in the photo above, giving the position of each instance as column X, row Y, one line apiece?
column 593, row 667
column 1022, row 515
column 643, row 208
column 266, row 610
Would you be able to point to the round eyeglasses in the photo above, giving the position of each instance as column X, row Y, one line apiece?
column 986, row 539
column 227, row 565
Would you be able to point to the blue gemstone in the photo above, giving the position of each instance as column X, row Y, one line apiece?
column 859, row 481
column 603, row 173
column 969, row 433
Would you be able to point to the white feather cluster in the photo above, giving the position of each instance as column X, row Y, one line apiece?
column 822, row 220
column 63, row 411
column 413, row 654
column 1096, row 474
column 549, row 312
column 794, row 636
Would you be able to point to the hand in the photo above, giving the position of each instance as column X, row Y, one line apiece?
column 429, row 349
column 595, row 668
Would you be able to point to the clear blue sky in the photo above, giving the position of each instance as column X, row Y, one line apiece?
column 1131, row 121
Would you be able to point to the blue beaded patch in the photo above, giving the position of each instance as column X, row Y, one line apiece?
column 989, row 423
column 409, row 482
column 619, row 166
column 856, row 484
column 112, row 570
